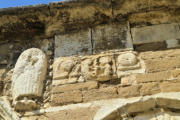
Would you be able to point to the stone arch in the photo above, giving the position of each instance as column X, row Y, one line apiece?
column 160, row 106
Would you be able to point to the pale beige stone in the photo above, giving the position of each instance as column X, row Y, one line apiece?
column 66, row 98
column 160, row 54
column 153, row 77
column 78, row 86
column 66, row 70
column 162, row 64
column 129, row 91
column 7, row 112
column 98, row 67
column 128, row 63
column 127, row 59
column 142, row 105
column 170, row 86
column 29, row 74
column 150, row 88
column 99, row 94
column 146, row 116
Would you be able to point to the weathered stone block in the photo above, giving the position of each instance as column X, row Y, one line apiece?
column 175, row 74
column 66, row 97
column 141, row 105
column 162, row 64
column 155, row 33
column 108, row 37
column 129, row 91
column 160, row 54
column 128, row 80
column 78, row 113
column 172, row 43
column 150, row 88
column 168, row 102
column 99, row 94
column 66, row 70
column 98, row 67
column 127, row 63
column 153, row 77
column 73, row 44
column 171, row 86
column 29, row 75
column 78, row 86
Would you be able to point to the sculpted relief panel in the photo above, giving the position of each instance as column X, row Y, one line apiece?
column 66, row 70
column 127, row 63
column 27, row 81
column 100, row 67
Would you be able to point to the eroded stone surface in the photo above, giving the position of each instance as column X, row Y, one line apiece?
column 66, row 70
column 98, row 67
column 73, row 44
column 155, row 33
column 29, row 74
column 108, row 37
column 128, row 63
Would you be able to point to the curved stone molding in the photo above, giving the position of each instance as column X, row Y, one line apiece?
column 120, row 108
column 27, row 80
column 157, row 106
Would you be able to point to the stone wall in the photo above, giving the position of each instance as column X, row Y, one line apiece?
column 94, row 60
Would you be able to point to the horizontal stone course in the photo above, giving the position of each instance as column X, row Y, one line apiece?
column 78, row 86
column 150, row 88
column 98, row 94
column 170, row 86
column 151, row 77
column 129, row 91
column 66, row 98
column 159, row 54
column 162, row 64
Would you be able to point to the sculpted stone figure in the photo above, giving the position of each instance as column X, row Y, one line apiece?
column 27, row 80
column 128, row 63
column 66, row 70
column 99, row 68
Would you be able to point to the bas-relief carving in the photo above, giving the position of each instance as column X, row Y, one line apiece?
column 101, row 67
column 66, row 70
column 127, row 63
column 27, row 80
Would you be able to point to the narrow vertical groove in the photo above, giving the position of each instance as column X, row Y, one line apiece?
column 129, row 27
column 112, row 9
column 92, row 42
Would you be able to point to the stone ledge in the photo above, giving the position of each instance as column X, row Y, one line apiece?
column 109, row 107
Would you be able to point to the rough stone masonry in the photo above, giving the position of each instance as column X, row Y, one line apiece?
column 91, row 60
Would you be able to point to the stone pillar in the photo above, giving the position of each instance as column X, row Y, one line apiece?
column 27, row 80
